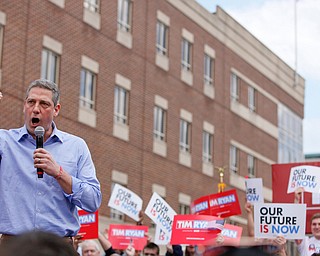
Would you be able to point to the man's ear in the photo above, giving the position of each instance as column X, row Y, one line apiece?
column 56, row 110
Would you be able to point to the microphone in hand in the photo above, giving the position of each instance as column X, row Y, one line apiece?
column 39, row 132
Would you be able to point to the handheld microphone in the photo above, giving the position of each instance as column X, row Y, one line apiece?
column 39, row 132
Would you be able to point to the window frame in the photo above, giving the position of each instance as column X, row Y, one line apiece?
column 162, row 31
column 207, row 146
column 159, row 123
column 186, row 55
column 121, row 105
column 208, row 70
column 92, row 5
column 234, row 159
column 234, row 87
column 87, row 89
column 252, row 99
column 185, row 136
column 50, row 65
column 251, row 162
column 124, row 16
column 184, row 209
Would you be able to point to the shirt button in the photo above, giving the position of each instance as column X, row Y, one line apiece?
column 38, row 210
column 39, row 193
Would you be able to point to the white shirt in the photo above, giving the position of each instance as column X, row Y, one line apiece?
column 308, row 246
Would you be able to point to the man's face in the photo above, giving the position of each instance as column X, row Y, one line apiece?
column 90, row 250
column 315, row 228
column 39, row 109
column 150, row 252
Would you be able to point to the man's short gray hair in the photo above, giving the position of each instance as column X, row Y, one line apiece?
column 46, row 84
column 90, row 242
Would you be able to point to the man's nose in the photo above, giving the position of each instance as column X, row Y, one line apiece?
column 36, row 107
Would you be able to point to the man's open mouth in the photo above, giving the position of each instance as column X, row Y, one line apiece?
column 35, row 120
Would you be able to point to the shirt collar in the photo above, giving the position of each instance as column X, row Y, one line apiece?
column 56, row 133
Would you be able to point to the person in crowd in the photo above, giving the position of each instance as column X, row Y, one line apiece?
column 151, row 249
column 37, row 243
column 29, row 202
column 190, row 250
column 174, row 250
column 310, row 244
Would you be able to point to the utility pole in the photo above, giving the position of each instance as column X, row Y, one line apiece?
column 295, row 45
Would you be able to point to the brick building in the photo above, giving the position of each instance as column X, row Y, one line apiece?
column 163, row 92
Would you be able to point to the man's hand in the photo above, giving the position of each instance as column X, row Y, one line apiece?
column 130, row 251
column 248, row 207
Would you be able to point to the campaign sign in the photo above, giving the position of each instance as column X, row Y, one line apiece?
column 121, row 236
column 195, row 229
column 161, row 213
column 254, row 192
column 231, row 234
column 280, row 176
column 89, row 223
column 125, row 201
column 304, row 176
column 272, row 220
column 223, row 204
column 161, row 236
column 201, row 206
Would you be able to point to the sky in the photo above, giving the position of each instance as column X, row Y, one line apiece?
column 273, row 23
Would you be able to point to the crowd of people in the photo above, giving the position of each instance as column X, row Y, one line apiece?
column 69, row 183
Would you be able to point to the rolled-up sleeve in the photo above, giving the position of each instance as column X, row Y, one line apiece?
column 86, row 192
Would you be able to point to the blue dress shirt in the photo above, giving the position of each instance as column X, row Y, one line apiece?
column 29, row 203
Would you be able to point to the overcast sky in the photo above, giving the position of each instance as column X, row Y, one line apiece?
column 272, row 22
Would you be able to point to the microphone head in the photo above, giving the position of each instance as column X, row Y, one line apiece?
column 39, row 131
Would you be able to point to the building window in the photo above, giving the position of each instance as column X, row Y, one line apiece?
column 87, row 89
column 91, row 5
column 184, row 209
column 50, row 65
column 186, row 55
column 290, row 141
column 185, row 136
column 207, row 147
column 208, row 70
column 121, row 100
column 116, row 214
column 124, row 15
column 234, row 87
column 234, row 159
column 159, row 123
column 251, row 99
column 162, row 39
column 251, row 166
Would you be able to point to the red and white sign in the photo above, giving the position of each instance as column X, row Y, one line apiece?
column 222, row 204
column 89, row 223
column 121, row 236
column 231, row 235
column 195, row 229
column 280, row 177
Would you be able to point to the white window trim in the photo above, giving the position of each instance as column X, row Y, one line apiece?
column 52, row 44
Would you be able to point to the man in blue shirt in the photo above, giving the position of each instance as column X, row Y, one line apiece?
column 69, row 181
